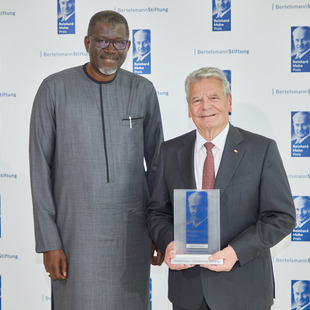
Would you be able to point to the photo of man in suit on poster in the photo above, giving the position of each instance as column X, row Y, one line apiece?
column 300, row 134
column 142, row 51
column 300, row 51
column 66, row 17
column 302, row 206
column 301, row 295
column 221, row 18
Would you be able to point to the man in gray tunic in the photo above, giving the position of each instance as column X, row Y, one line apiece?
column 93, row 130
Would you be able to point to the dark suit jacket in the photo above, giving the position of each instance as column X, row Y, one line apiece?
column 257, row 211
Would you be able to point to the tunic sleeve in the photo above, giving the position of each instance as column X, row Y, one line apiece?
column 41, row 154
column 153, row 137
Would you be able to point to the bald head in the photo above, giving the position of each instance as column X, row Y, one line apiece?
column 301, row 123
column 301, row 38
column 302, row 206
column 142, row 42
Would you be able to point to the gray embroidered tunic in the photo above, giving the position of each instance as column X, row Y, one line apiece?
column 88, row 143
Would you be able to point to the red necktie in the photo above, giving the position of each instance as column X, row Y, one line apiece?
column 208, row 177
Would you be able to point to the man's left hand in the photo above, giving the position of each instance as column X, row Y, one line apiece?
column 156, row 260
column 229, row 257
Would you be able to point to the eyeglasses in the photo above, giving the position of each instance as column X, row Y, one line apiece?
column 103, row 43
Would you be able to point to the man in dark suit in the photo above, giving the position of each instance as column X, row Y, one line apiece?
column 256, row 205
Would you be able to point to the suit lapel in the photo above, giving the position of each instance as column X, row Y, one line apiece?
column 232, row 154
column 186, row 160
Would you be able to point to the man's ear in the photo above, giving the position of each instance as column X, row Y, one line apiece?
column 189, row 112
column 86, row 43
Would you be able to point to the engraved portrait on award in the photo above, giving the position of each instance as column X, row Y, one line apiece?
column 196, row 220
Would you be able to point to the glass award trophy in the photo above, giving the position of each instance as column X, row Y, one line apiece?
column 196, row 226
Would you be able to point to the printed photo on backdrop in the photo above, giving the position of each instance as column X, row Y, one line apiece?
column 221, row 17
column 300, row 134
column 66, row 16
column 302, row 228
column 300, row 49
column 142, row 51
column 300, row 299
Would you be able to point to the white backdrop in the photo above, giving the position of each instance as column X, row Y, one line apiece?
column 257, row 51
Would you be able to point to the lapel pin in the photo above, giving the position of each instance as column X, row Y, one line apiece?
column 235, row 151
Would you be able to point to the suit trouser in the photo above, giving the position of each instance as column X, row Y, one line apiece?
column 203, row 306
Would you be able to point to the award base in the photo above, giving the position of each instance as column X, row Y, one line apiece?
column 194, row 259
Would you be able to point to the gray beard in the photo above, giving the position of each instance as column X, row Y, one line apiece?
column 107, row 71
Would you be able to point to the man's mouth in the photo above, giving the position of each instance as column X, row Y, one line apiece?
column 208, row 116
column 108, row 57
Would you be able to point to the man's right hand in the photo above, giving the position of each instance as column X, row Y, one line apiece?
column 55, row 263
column 169, row 254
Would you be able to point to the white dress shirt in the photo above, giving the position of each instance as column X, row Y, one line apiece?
column 200, row 153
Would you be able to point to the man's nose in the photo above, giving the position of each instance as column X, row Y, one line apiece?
column 110, row 48
column 206, row 103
